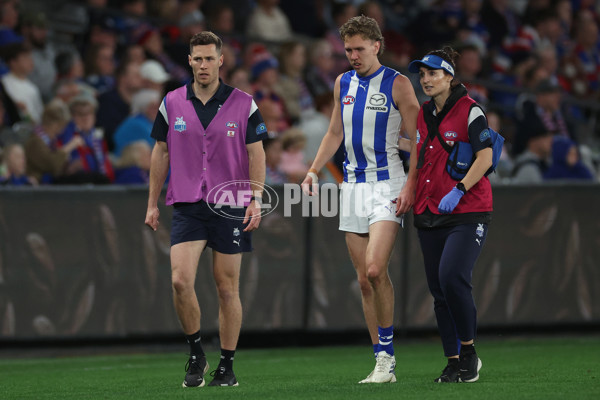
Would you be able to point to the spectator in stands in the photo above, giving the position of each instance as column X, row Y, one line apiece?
column 320, row 76
column 564, row 10
column 10, row 110
column 89, row 162
column 21, row 90
column 154, row 76
column 315, row 127
column 144, row 108
column 69, row 66
column 268, row 23
column 582, row 66
column 134, row 53
column 543, row 109
column 292, row 162
column 566, row 162
column 273, row 116
column 229, row 61
column 114, row 105
column 135, row 8
column 469, row 67
column 133, row 167
column 99, row 67
column 273, row 150
column 221, row 20
column 178, row 44
column 239, row 78
column 15, row 162
column 501, row 22
column 103, row 29
column 470, row 26
column 150, row 39
column 45, row 160
column 291, row 86
column 265, row 75
column 398, row 49
column 35, row 31
column 530, row 166
column 9, row 18
column 340, row 12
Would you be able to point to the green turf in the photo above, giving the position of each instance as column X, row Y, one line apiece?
column 513, row 369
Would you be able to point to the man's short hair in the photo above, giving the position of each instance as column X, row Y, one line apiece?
column 13, row 50
column 205, row 38
column 364, row 26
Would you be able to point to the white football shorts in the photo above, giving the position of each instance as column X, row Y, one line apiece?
column 364, row 203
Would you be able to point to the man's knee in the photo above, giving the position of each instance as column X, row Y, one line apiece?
column 227, row 293
column 376, row 274
column 365, row 285
column 181, row 284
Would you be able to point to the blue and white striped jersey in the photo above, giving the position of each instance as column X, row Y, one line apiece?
column 371, row 124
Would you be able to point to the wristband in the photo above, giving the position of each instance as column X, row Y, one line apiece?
column 256, row 199
column 313, row 170
column 461, row 186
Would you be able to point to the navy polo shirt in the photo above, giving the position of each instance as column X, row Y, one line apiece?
column 206, row 113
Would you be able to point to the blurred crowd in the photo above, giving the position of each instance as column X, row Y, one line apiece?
column 81, row 81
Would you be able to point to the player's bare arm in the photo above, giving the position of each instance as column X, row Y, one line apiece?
column 408, row 105
column 159, row 168
column 330, row 143
column 257, row 167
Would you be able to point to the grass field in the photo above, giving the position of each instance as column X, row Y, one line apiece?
column 516, row 368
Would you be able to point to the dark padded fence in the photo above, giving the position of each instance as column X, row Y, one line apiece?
column 80, row 263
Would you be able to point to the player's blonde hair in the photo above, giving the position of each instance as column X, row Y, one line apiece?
column 364, row 26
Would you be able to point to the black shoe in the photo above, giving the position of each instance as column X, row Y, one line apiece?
column 195, row 369
column 223, row 377
column 449, row 374
column 470, row 365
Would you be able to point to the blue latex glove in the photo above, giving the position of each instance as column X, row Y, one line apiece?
column 449, row 201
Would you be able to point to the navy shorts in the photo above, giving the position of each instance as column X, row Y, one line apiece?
column 223, row 229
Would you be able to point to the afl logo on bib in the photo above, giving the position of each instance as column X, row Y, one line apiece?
column 347, row 100
column 450, row 135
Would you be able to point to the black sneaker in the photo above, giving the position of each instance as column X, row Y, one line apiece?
column 470, row 365
column 449, row 374
column 223, row 377
column 195, row 369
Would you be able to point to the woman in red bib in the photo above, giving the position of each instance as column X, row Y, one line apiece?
column 451, row 216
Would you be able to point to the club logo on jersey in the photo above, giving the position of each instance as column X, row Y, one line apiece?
column 261, row 128
column 232, row 125
column 180, row 124
column 377, row 102
column 418, row 136
column 484, row 135
column 236, row 232
column 479, row 230
column 347, row 100
column 231, row 133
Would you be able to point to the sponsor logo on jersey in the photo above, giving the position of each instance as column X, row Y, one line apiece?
column 418, row 136
column 347, row 100
column 377, row 102
column 180, row 124
column 231, row 133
